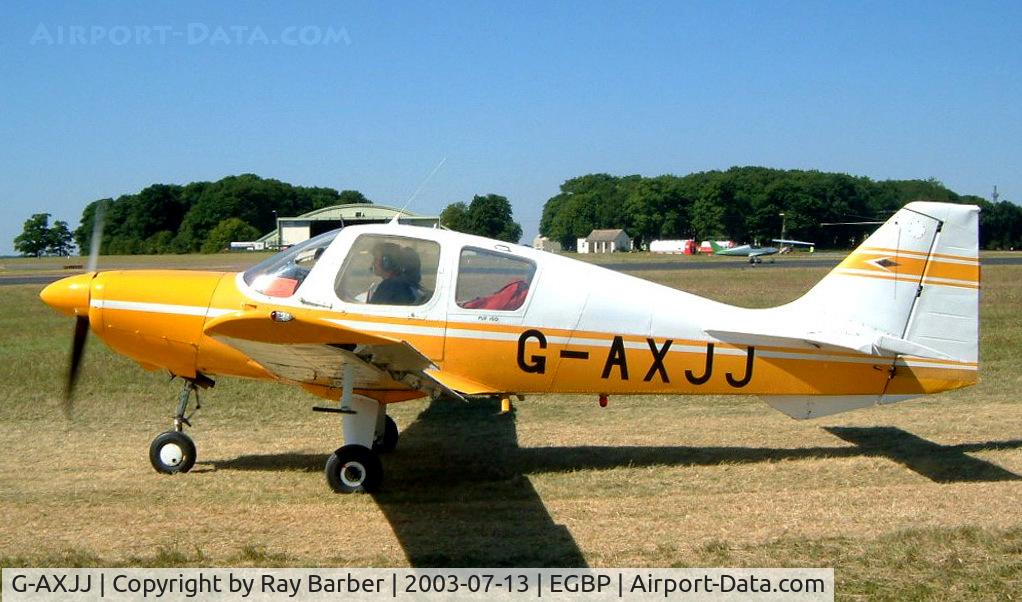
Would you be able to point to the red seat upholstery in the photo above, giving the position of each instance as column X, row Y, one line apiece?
column 510, row 297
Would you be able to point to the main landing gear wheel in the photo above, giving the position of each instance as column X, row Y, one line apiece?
column 354, row 468
column 388, row 440
column 172, row 452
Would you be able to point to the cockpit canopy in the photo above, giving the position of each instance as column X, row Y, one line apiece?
column 384, row 268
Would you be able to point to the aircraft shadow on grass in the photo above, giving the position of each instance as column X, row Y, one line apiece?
column 457, row 493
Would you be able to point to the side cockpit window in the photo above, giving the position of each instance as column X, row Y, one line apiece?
column 494, row 281
column 389, row 270
column 283, row 273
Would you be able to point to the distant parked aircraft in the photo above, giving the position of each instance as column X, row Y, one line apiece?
column 755, row 254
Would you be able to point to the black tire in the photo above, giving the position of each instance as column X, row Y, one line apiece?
column 172, row 452
column 388, row 440
column 354, row 469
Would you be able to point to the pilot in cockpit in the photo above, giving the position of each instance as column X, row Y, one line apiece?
column 401, row 272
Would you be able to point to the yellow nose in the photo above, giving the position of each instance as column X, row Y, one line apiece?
column 69, row 295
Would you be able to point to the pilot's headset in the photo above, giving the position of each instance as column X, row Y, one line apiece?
column 388, row 252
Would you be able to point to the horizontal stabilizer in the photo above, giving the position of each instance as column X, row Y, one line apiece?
column 869, row 343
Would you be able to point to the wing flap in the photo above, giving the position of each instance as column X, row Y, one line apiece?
column 460, row 384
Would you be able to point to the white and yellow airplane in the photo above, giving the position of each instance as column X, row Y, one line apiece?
column 372, row 315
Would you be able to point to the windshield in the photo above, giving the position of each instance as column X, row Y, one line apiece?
column 282, row 274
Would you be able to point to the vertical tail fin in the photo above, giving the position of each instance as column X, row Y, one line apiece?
column 909, row 295
column 916, row 279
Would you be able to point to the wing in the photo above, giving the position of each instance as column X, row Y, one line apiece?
column 310, row 350
column 762, row 251
column 741, row 251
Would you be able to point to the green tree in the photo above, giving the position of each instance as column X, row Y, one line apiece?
column 584, row 203
column 159, row 243
column 59, row 239
column 455, row 217
column 83, row 233
column 1000, row 224
column 489, row 215
column 492, row 216
column 350, row 197
column 35, row 236
column 229, row 230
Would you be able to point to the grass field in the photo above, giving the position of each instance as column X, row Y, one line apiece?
column 917, row 500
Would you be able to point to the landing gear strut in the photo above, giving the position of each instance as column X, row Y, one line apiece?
column 386, row 441
column 174, row 451
column 368, row 432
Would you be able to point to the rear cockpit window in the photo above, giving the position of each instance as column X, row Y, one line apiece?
column 389, row 270
column 283, row 273
column 494, row 281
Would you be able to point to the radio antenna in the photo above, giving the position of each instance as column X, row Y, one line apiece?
column 419, row 189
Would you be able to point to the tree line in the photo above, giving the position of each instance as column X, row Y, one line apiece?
column 745, row 204
column 201, row 216
column 207, row 216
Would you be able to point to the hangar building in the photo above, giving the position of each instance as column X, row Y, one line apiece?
column 293, row 230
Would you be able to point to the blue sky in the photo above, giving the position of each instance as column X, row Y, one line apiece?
column 102, row 99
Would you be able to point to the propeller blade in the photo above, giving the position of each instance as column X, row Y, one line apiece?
column 77, row 350
column 97, row 237
column 82, row 322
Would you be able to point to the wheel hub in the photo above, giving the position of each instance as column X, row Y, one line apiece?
column 353, row 473
column 171, row 454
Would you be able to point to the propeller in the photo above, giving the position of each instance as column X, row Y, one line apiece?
column 77, row 349
column 81, row 332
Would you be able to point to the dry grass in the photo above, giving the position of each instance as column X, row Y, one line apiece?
column 917, row 500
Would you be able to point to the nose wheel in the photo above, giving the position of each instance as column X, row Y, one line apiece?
column 172, row 452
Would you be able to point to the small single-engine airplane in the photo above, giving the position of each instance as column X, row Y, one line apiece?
column 373, row 315
column 755, row 254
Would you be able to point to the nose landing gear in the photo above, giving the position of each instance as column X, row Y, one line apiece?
column 174, row 451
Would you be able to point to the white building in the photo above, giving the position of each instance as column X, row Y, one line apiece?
column 605, row 241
